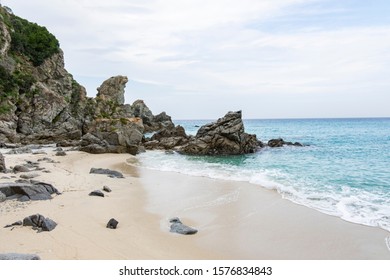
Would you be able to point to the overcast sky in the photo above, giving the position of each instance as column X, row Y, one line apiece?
column 198, row 59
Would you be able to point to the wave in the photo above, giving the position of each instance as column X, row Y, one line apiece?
column 371, row 208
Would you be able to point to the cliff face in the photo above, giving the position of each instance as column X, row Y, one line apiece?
column 40, row 102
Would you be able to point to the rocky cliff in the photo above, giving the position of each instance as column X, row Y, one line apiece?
column 40, row 102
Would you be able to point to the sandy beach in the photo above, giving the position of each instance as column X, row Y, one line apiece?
column 235, row 220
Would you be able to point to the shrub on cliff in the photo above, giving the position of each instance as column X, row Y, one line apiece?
column 32, row 40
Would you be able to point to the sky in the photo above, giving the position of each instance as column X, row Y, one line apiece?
column 198, row 59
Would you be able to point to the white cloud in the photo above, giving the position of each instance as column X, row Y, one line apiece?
column 219, row 47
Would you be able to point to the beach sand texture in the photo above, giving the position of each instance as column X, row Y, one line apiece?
column 235, row 220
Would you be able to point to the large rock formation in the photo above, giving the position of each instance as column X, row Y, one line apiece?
column 226, row 136
column 40, row 102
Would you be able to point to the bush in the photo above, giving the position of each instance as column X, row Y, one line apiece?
column 32, row 40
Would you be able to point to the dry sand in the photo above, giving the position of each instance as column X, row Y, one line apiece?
column 235, row 220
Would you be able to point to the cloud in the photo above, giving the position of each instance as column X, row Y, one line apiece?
column 242, row 49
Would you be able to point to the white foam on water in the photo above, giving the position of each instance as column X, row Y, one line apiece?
column 354, row 205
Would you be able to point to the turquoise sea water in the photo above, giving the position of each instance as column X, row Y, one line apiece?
column 344, row 169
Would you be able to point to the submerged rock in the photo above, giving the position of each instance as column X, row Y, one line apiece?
column 178, row 227
column 279, row 142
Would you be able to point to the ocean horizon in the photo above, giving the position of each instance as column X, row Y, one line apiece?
column 342, row 170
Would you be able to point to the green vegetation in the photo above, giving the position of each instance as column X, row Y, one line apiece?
column 32, row 40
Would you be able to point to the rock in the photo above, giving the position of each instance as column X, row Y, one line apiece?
column 60, row 153
column 21, row 150
column 178, row 227
column 3, row 168
column 167, row 138
column 106, row 189
column 96, row 193
column 113, row 136
column 226, row 136
column 32, row 191
column 29, row 175
column 20, row 168
column 112, row 223
column 3, row 197
column 17, row 256
column 18, row 223
column 40, row 222
column 279, row 142
column 112, row 90
column 110, row 173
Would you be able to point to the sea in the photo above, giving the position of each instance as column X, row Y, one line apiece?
column 343, row 169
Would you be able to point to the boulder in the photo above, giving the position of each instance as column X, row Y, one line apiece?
column 20, row 168
column 96, row 193
column 113, row 136
column 110, row 173
column 31, row 191
column 112, row 223
column 279, row 142
column 226, row 136
column 107, row 189
column 178, row 227
column 167, row 138
column 39, row 222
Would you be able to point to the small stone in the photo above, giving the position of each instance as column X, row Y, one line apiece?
column 3, row 197
column 107, row 189
column 18, row 223
column 112, row 223
column 96, row 193
column 61, row 153
column 20, row 168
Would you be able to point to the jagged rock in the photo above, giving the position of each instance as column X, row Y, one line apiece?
column 167, row 138
column 106, row 189
column 39, row 222
column 112, row 223
column 178, row 227
column 279, row 142
column 3, row 168
column 112, row 90
column 32, row 191
column 226, row 136
column 96, row 193
column 110, row 173
column 17, row 256
column 151, row 123
column 113, row 136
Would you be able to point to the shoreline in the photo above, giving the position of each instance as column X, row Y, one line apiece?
column 236, row 220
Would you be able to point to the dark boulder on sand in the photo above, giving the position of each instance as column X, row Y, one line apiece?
column 112, row 223
column 39, row 222
column 103, row 171
column 29, row 191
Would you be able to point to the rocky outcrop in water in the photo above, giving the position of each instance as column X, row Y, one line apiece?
column 279, row 142
column 167, row 138
column 226, row 136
